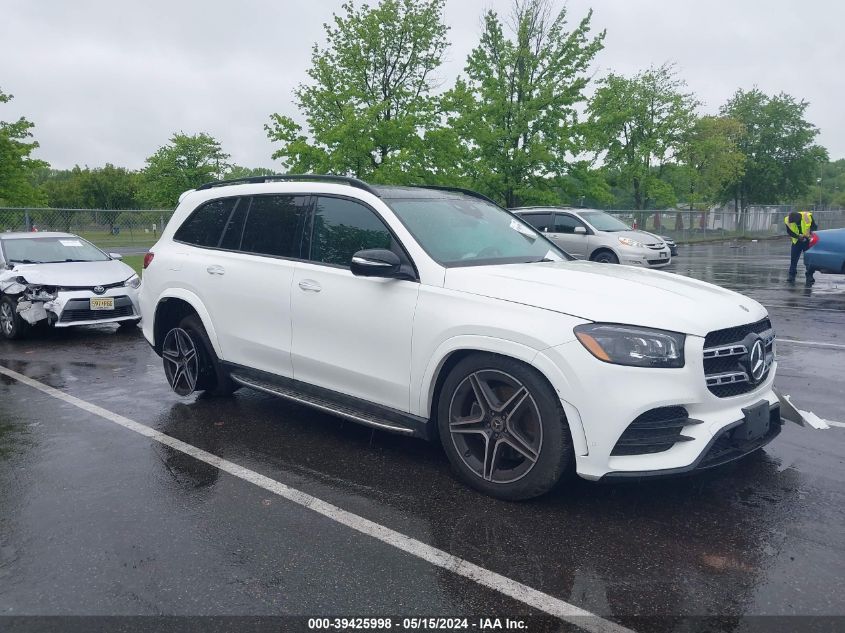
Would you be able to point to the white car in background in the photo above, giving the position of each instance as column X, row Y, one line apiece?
column 62, row 280
column 597, row 236
column 435, row 313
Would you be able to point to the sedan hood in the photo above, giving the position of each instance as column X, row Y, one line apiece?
column 75, row 274
column 609, row 293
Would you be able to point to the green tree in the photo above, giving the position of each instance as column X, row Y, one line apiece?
column 369, row 101
column 18, row 169
column 238, row 171
column 109, row 187
column 637, row 125
column 782, row 161
column 187, row 162
column 63, row 188
column 711, row 158
column 516, row 108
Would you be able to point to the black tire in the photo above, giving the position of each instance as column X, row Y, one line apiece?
column 12, row 326
column 537, row 421
column 212, row 378
column 125, row 326
column 605, row 257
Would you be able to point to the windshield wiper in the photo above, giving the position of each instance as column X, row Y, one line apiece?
column 25, row 261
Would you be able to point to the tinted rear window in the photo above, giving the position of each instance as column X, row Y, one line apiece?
column 273, row 226
column 205, row 225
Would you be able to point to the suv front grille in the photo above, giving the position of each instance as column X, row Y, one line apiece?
column 654, row 431
column 726, row 370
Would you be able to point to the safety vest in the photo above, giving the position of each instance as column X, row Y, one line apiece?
column 806, row 223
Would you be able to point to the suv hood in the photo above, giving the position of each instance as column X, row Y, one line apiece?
column 69, row 274
column 611, row 293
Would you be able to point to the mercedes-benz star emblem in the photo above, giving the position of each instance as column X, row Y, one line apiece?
column 98, row 290
column 757, row 361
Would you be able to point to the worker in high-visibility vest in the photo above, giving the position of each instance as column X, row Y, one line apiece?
column 799, row 226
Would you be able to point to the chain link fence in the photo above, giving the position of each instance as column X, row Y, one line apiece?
column 141, row 228
column 684, row 225
column 105, row 228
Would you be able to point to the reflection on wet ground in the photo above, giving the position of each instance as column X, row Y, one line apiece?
column 94, row 519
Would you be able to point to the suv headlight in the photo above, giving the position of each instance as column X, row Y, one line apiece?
column 133, row 282
column 631, row 345
column 627, row 241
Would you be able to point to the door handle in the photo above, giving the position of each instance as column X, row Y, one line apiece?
column 215, row 270
column 309, row 285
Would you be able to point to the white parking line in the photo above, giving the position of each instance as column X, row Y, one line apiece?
column 525, row 594
column 793, row 341
column 806, row 308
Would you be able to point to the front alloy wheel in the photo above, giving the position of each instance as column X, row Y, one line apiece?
column 181, row 361
column 495, row 426
column 502, row 427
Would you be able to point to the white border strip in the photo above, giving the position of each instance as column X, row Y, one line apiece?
column 506, row 586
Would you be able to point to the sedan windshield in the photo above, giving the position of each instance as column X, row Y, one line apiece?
column 472, row 232
column 602, row 221
column 51, row 250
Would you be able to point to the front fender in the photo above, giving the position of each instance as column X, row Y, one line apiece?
column 502, row 347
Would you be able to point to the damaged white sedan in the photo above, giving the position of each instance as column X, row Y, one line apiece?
column 62, row 280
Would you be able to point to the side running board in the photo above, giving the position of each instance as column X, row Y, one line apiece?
column 322, row 404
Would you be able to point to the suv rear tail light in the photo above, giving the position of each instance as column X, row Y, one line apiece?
column 148, row 259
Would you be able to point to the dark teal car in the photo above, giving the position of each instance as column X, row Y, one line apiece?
column 827, row 253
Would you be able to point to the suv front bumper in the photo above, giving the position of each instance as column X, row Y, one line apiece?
column 725, row 447
column 602, row 400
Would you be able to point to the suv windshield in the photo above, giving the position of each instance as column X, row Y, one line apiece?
column 472, row 232
column 51, row 250
column 602, row 221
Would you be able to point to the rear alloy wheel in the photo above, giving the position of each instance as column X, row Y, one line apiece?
column 181, row 361
column 12, row 326
column 606, row 257
column 190, row 363
column 503, row 428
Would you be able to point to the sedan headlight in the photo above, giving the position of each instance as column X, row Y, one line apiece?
column 627, row 241
column 633, row 346
column 133, row 282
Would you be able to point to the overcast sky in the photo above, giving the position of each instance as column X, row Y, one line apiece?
column 110, row 81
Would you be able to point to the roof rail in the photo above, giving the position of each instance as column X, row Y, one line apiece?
column 346, row 180
column 467, row 192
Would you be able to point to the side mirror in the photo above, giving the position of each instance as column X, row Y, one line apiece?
column 580, row 230
column 376, row 262
column 116, row 256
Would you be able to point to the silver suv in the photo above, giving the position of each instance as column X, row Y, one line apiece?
column 597, row 236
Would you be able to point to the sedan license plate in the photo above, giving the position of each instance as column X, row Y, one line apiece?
column 756, row 422
column 102, row 303
column 663, row 255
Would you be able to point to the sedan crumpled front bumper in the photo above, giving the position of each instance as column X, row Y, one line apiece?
column 73, row 307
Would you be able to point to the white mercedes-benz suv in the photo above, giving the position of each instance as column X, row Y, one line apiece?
column 436, row 313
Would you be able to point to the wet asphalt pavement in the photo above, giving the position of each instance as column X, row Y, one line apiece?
column 97, row 520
